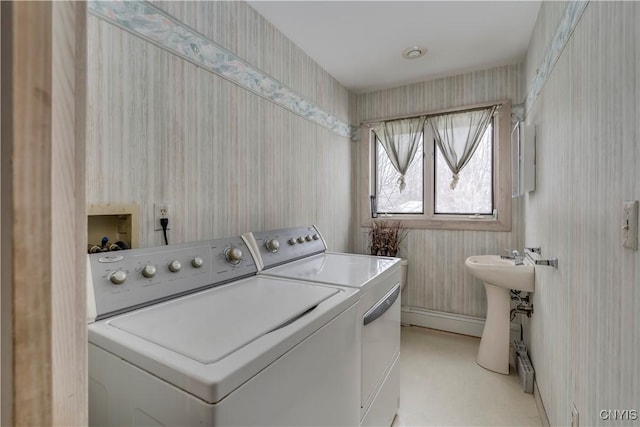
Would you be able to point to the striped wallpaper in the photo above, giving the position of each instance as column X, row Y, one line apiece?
column 225, row 159
column 151, row 23
column 570, row 18
column 585, row 333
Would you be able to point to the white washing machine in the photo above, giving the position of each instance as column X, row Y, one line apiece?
column 300, row 254
column 188, row 335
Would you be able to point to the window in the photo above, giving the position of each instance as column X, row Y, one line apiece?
column 427, row 195
column 473, row 193
column 389, row 198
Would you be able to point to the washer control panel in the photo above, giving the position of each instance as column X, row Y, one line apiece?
column 128, row 279
column 276, row 247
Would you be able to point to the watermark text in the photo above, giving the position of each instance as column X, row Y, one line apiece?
column 619, row 415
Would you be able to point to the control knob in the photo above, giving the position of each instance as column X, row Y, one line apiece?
column 300, row 239
column 118, row 277
column 233, row 255
column 149, row 271
column 197, row 262
column 316, row 237
column 307, row 238
column 292, row 241
column 175, row 266
column 272, row 245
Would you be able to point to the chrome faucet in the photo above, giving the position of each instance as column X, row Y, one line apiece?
column 515, row 256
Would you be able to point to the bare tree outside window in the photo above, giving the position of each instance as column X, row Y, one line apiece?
column 389, row 197
column 459, row 188
column 473, row 194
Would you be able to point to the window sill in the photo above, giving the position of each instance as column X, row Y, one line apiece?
column 446, row 222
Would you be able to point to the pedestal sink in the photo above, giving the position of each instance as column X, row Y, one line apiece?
column 499, row 276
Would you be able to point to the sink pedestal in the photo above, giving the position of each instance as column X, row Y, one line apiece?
column 499, row 276
column 494, row 344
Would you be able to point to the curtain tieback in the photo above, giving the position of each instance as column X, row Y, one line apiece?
column 454, row 181
column 401, row 183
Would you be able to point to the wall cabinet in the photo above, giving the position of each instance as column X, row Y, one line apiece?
column 523, row 159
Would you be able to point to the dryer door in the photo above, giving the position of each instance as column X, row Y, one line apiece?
column 380, row 342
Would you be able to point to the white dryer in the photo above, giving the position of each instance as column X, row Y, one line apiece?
column 300, row 254
column 188, row 335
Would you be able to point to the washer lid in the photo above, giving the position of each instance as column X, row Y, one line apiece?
column 209, row 326
column 349, row 270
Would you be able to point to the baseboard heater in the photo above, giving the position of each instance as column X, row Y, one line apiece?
column 524, row 366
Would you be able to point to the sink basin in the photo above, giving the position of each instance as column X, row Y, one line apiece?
column 499, row 275
column 495, row 270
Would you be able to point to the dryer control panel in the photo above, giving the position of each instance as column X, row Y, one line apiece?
column 125, row 280
column 277, row 247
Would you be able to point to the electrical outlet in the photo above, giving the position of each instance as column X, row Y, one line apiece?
column 160, row 210
column 575, row 416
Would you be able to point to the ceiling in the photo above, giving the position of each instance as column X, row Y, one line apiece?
column 360, row 42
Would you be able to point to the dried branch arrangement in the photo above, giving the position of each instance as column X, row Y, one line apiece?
column 385, row 238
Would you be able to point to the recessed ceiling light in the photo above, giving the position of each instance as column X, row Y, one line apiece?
column 414, row 52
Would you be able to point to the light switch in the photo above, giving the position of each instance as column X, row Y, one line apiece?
column 630, row 225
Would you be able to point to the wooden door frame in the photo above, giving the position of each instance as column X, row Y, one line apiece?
column 43, row 362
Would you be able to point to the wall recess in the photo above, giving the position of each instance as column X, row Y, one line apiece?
column 118, row 222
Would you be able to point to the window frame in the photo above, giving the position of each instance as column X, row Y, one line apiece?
column 501, row 178
column 431, row 165
column 374, row 159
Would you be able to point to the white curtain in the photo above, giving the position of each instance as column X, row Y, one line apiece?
column 458, row 136
column 400, row 140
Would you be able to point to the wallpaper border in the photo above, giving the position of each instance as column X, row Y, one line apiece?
column 150, row 23
column 570, row 18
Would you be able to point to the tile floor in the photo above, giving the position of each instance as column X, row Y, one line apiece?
column 442, row 385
